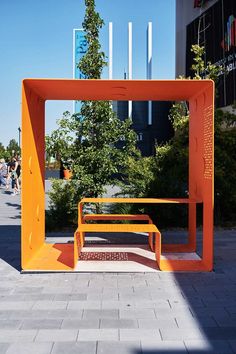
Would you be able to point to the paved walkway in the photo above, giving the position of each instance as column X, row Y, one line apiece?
column 123, row 313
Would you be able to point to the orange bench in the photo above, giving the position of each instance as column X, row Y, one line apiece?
column 168, row 257
column 113, row 217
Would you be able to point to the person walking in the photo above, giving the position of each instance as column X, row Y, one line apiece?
column 12, row 174
column 3, row 173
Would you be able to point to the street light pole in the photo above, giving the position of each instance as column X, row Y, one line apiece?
column 19, row 130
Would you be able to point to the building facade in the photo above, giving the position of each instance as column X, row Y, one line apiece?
column 211, row 24
column 159, row 131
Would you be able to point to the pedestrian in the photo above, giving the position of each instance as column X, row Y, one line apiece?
column 18, row 172
column 3, row 173
column 12, row 175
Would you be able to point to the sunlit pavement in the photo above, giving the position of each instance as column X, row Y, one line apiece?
column 131, row 313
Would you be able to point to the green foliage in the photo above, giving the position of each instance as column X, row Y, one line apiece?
column 13, row 148
column 95, row 140
column 169, row 167
column 202, row 71
column 225, row 167
column 63, row 206
column 138, row 174
column 179, row 116
column 59, row 142
column 97, row 157
column 93, row 62
column 6, row 153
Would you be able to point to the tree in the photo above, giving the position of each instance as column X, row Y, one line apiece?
column 96, row 156
column 98, row 143
column 2, row 150
column 13, row 147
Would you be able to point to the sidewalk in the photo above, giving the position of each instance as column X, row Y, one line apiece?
column 125, row 313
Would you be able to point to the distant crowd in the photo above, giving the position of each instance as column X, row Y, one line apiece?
column 10, row 174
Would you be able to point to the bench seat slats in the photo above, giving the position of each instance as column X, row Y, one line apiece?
column 117, row 228
column 116, row 217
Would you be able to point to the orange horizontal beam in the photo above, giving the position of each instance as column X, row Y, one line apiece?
column 141, row 200
column 119, row 90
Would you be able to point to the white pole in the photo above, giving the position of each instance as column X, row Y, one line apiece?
column 110, row 50
column 149, row 67
column 74, row 64
column 130, row 64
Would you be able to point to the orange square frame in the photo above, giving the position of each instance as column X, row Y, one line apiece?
column 35, row 253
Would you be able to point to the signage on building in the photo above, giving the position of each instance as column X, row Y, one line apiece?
column 216, row 31
column 80, row 48
column 199, row 3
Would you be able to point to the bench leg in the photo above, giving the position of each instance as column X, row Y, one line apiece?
column 82, row 239
column 150, row 237
column 77, row 245
column 150, row 241
column 158, row 248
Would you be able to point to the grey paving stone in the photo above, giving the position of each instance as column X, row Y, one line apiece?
column 11, row 336
column 103, row 296
column 28, row 290
column 95, row 314
column 80, row 323
column 57, row 290
column 182, row 334
column 160, row 347
column 74, row 348
column 41, row 324
column 119, row 347
column 71, row 297
column 10, row 324
column 196, row 322
column 209, row 347
column 134, row 297
column 160, row 304
column 16, row 305
column 220, row 333
column 118, row 304
column 120, row 323
column 96, row 305
column 183, row 313
column 98, row 334
column 37, row 297
column 157, row 323
column 232, row 344
column 225, row 321
column 42, row 314
column 30, row 348
column 138, row 313
column 50, row 305
column 56, row 335
column 4, row 347
column 5, row 290
column 139, row 334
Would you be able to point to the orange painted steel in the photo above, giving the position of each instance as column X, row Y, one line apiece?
column 38, row 255
column 160, row 250
column 122, row 217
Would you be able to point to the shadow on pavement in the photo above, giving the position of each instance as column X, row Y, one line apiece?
column 14, row 205
column 10, row 245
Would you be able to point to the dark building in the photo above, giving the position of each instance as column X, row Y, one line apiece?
column 212, row 24
column 160, row 129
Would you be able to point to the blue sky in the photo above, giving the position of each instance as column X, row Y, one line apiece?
column 36, row 41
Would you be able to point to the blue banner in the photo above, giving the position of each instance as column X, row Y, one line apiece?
column 80, row 48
